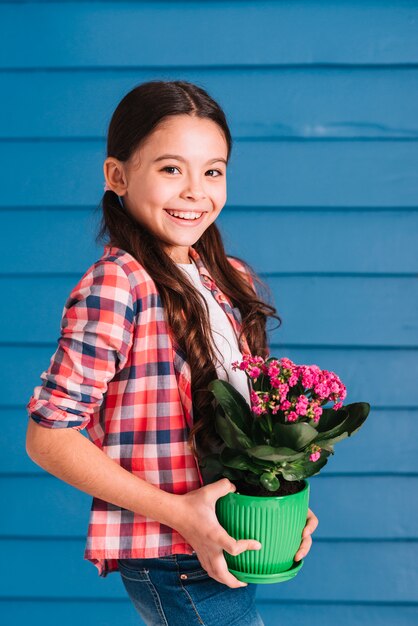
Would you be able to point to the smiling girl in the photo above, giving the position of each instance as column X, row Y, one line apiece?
column 159, row 315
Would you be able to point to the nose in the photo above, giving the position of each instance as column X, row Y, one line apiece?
column 194, row 194
column 194, row 190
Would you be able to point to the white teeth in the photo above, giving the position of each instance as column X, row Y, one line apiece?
column 185, row 216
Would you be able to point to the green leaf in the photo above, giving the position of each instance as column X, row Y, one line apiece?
column 324, row 443
column 330, row 419
column 359, row 412
column 313, row 467
column 293, row 471
column 233, row 436
column 237, row 460
column 259, row 431
column 269, row 481
column 263, row 463
column 356, row 414
column 305, row 468
column 210, row 460
column 295, row 436
column 252, row 479
column 211, row 468
column 274, row 454
column 232, row 474
column 233, row 403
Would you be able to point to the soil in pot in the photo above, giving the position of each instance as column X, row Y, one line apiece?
column 287, row 488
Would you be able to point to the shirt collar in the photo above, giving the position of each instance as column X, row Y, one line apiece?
column 203, row 271
column 232, row 312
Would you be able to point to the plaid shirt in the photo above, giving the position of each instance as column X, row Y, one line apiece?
column 118, row 373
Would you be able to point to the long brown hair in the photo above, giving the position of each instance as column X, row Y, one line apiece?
column 136, row 117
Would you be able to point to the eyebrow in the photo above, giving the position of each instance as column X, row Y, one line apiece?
column 180, row 158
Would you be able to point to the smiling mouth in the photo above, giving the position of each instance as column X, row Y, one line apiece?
column 185, row 217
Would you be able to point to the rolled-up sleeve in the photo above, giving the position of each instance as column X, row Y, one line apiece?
column 95, row 341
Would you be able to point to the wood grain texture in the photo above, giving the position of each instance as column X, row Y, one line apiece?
column 321, row 99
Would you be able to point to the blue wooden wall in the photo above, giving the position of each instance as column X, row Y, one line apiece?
column 322, row 100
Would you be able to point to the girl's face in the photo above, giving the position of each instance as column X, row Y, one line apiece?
column 191, row 182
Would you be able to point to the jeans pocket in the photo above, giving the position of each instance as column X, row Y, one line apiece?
column 192, row 568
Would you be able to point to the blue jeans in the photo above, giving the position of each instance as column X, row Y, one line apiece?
column 175, row 590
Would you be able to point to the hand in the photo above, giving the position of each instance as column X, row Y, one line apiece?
column 305, row 546
column 196, row 520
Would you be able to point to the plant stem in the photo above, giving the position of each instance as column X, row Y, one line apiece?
column 270, row 425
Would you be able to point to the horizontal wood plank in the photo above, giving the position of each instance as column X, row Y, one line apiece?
column 355, row 456
column 77, row 35
column 341, row 571
column 322, row 201
column 121, row 611
column 380, row 376
column 314, row 310
column 317, row 102
column 59, row 241
column 261, row 174
column 347, row 507
column 346, row 311
column 44, row 612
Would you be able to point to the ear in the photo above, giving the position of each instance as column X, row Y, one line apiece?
column 114, row 174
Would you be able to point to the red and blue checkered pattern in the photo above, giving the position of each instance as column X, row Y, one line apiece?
column 118, row 373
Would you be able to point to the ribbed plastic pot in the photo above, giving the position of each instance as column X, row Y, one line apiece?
column 277, row 522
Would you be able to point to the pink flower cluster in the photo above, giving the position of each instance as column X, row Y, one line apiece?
column 315, row 453
column 320, row 386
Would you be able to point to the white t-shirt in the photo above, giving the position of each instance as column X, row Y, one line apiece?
column 223, row 335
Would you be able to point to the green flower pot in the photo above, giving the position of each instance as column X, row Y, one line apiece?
column 277, row 522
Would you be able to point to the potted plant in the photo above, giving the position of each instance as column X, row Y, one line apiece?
column 269, row 450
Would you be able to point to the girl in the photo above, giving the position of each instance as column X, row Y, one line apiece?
column 162, row 313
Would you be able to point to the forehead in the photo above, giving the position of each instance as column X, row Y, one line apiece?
column 186, row 135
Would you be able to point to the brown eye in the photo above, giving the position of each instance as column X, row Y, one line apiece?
column 169, row 167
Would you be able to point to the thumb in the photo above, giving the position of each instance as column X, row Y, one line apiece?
column 236, row 546
column 223, row 486
column 230, row 544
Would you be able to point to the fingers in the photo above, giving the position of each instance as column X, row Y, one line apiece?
column 217, row 539
column 236, row 546
column 221, row 487
column 219, row 567
column 219, row 571
column 311, row 523
column 305, row 546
